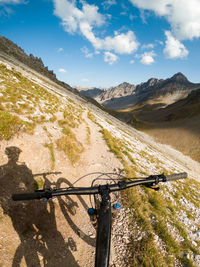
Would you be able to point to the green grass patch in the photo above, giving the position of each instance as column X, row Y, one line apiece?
column 50, row 146
column 29, row 127
column 88, row 135
column 91, row 116
column 38, row 183
column 9, row 125
column 70, row 145
column 34, row 96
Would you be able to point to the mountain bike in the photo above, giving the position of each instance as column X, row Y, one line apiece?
column 102, row 206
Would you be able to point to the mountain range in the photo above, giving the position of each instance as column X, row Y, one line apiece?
column 155, row 91
column 52, row 137
column 163, row 108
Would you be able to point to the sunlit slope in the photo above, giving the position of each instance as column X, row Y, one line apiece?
column 167, row 124
column 58, row 131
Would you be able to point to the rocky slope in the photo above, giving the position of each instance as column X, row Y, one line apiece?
column 10, row 48
column 13, row 51
column 59, row 137
column 122, row 90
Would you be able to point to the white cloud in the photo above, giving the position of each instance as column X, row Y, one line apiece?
column 60, row 49
column 86, row 52
column 110, row 57
column 147, row 46
column 132, row 61
column 62, row 70
column 121, row 43
column 83, row 21
column 147, row 58
column 174, row 48
column 183, row 16
column 160, row 42
column 6, row 4
column 72, row 17
column 108, row 3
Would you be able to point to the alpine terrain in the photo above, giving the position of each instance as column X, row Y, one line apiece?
column 165, row 109
column 50, row 136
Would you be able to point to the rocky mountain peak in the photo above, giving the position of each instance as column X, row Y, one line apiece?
column 179, row 77
column 152, row 81
column 124, row 84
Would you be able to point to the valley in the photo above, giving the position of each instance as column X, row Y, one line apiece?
column 168, row 110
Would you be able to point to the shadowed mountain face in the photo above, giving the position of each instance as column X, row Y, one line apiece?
column 93, row 93
column 154, row 91
column 185, row 108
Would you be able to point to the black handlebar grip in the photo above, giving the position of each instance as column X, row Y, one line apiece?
column 177, row 176
column 17, row 197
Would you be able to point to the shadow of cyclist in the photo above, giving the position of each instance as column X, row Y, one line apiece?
column 41, row 242
column 68, row 205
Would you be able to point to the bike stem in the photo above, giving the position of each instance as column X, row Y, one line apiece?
column 104, row 228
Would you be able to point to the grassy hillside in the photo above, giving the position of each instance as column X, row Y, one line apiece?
column 64, row 133
column 25, row 104
column 157, row 214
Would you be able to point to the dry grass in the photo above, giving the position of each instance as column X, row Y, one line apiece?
column 70, row 145
column 88, row 135
column 50, row 146
column 9, row 125
column 24, row 104
column 20, row 96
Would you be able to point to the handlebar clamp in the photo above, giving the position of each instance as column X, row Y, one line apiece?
column 164, row 178
column 122, row 184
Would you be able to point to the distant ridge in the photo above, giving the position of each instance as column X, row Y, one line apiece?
column 36, row 63
column 154, row 91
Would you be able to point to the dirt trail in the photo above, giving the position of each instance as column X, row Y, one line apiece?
column 61, row 227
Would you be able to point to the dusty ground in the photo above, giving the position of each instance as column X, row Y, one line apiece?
column 55, row 236
column 184, row 138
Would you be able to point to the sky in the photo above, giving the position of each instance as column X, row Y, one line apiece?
column 101, row 44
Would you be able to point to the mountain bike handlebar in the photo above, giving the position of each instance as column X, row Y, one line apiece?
column 49, row 193
column 103, row 212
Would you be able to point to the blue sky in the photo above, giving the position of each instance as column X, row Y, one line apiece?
column 103, row 43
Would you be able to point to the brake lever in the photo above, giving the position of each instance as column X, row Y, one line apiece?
column 154, row 188
column 156, row 177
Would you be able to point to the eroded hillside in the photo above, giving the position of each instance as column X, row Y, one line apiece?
column 51, row 137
